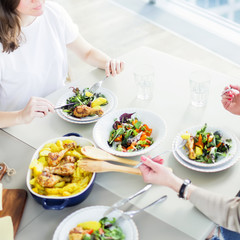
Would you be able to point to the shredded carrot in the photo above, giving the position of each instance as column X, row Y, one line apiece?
column 118, row 139
column 143, row 136
column 134, row 121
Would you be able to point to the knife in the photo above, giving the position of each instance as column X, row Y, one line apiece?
column 125, row 200
column 63, row 106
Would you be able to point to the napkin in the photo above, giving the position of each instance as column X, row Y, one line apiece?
column 6, row 228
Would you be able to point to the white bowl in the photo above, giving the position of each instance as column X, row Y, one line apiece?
column 103, row 127
column 94, row 213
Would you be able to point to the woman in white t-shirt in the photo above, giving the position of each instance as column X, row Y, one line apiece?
column 34, row 37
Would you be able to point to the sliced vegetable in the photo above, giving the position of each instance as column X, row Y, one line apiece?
column 130, row 134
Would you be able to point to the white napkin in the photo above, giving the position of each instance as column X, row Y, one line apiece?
column 6, row 228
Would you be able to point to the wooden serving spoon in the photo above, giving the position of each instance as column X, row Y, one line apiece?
column 98, row 154
column 102, row 166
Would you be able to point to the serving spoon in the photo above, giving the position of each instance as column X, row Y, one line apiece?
column 98, row 154
column 102, row 166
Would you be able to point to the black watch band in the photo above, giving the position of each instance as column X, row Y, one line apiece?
column 186, row 182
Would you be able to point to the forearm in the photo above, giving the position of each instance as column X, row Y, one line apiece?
column 88, row 53
column 223, row 211
column 8, row 119
column 97, row 58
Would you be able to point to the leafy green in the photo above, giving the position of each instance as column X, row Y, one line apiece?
column 109, row 230
column 115, row 134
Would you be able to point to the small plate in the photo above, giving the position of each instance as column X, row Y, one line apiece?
column 210, row 169
column 112, row 103
column 183, row 152
column 103, row 127
column 93, row 213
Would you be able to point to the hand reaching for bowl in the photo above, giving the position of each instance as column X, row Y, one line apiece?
column 36, row 107
column 231, row 99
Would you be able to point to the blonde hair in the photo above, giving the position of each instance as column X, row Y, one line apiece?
column 10, row 28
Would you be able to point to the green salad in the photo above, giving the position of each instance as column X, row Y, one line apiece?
column 84, row 97
column 104, row 229
column 129, row 134
column 206, row 146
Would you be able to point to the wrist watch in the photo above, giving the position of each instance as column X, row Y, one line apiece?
column 186, row 182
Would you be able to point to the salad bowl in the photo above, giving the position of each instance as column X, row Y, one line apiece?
column 104, row 127
column 183, row 152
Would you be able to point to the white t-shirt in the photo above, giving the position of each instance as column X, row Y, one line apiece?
column 39, row 66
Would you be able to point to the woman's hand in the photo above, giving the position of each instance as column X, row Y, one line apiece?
column 154, row 172
column 114, row 67
column 36, row 107
column 231, row 100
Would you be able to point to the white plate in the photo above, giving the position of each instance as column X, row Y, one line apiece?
column 94, row 213
column 183, row 152
column 213, row 168
column 112, row 103
column 103, row 127
column 75, row 121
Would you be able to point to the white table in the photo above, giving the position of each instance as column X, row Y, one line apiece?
column 175, row 218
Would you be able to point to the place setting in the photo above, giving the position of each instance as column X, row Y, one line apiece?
column 206, row 148
column 87, row 105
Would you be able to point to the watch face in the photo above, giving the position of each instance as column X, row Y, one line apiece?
column 187, row 181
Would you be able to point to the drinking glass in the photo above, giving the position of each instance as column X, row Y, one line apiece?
column 199, row 88
column 144, row 77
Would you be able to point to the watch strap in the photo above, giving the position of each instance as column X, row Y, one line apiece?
column 183, row 187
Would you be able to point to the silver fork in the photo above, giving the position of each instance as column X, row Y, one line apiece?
column 128, row 215
column 179, row 146
column 125, row 200
column 227, row 90
column 97, row 85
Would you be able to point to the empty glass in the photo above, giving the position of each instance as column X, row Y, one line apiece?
column 144, row 77
column 199, row 88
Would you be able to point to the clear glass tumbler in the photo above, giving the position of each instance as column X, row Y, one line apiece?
column 199, row 87
column 144, row 75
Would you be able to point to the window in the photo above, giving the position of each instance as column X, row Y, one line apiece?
column 214, row 24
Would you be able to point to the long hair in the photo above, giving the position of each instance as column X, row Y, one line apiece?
column 10, row 28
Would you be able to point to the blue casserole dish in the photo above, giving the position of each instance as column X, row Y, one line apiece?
column 58, row 203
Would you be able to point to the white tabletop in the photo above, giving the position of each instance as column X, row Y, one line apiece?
column 171, row 102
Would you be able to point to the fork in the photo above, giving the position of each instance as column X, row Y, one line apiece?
column 97, row 85
column 227, row 90
column 125, row 200
column 128, row 215
column 179, row 146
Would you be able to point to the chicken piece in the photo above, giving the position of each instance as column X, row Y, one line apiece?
column 46, row 179
column 76, row 233
column 84, row 111
column 55, row 158
column 190, row 146
column 68, row 159
column 66, row 169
